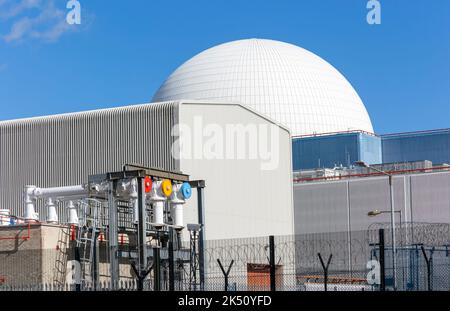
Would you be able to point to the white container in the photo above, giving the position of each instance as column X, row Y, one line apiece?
column 5, row 217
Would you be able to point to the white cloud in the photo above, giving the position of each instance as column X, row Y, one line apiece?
column 35, row 19
column 10, row 9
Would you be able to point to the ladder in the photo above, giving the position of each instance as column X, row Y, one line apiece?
column 62, row 255
column 86, row 243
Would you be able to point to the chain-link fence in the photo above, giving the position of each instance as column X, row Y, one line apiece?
column 343, row 261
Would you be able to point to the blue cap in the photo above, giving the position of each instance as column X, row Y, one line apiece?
column 186, row 190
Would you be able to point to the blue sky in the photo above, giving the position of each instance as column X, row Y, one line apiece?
column 123, row 51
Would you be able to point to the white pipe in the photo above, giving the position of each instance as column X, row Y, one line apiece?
column 32, row 193
column 73, row 217
column 52, row 216
column 57, row 192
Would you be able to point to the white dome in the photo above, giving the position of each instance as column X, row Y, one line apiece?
column 282, row 81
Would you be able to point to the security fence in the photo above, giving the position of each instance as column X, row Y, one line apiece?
column 347, row 261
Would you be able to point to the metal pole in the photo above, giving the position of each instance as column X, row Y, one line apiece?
column 201, row 241
column 171, row 262
column 95, row 261
column 77, row 273
column 142, row 234
column 382, row 264
column 394, row 249
column 272, row 263
column 157, row 266
column 113, row 237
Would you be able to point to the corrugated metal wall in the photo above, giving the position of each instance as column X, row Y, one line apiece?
column 63, row 150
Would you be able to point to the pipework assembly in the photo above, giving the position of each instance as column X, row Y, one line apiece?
column 32, row 193
column 181, row 193
column 161, row 190
column 140, row 208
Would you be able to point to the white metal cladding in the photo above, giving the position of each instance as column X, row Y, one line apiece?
column 64, row 149
column 241, row 199
column 326, row 207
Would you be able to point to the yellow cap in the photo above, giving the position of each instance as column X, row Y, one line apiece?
column 166, row 187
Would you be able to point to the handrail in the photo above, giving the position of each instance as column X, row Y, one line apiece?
column 416, row 132
column 335, row 133
column 393, row 172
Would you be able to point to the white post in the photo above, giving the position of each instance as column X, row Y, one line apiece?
column 73, row 217
column 30, row 212
column 52, row 216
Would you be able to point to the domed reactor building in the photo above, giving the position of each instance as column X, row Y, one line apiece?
column 282, row 81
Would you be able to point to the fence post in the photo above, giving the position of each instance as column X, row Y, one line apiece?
column 273, row 283
column 225, row 273
column 428, row 262
column 325, row 269
column 382, row 264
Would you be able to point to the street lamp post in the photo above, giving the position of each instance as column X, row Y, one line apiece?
column 392, row 211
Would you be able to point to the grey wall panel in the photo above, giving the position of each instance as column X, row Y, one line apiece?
column 321, row 206
column 431, row 197
column 63, row 150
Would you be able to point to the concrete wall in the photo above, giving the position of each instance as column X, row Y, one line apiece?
column 32, row 260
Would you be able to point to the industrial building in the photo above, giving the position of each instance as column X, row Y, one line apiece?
column 272, row 130
column 64, row 150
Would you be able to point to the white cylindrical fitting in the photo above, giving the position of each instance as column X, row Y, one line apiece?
column 52, row 216
column 177, row 215
column 177, row 202
column 30, row 212
column 158, row 213
column 73, row 217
